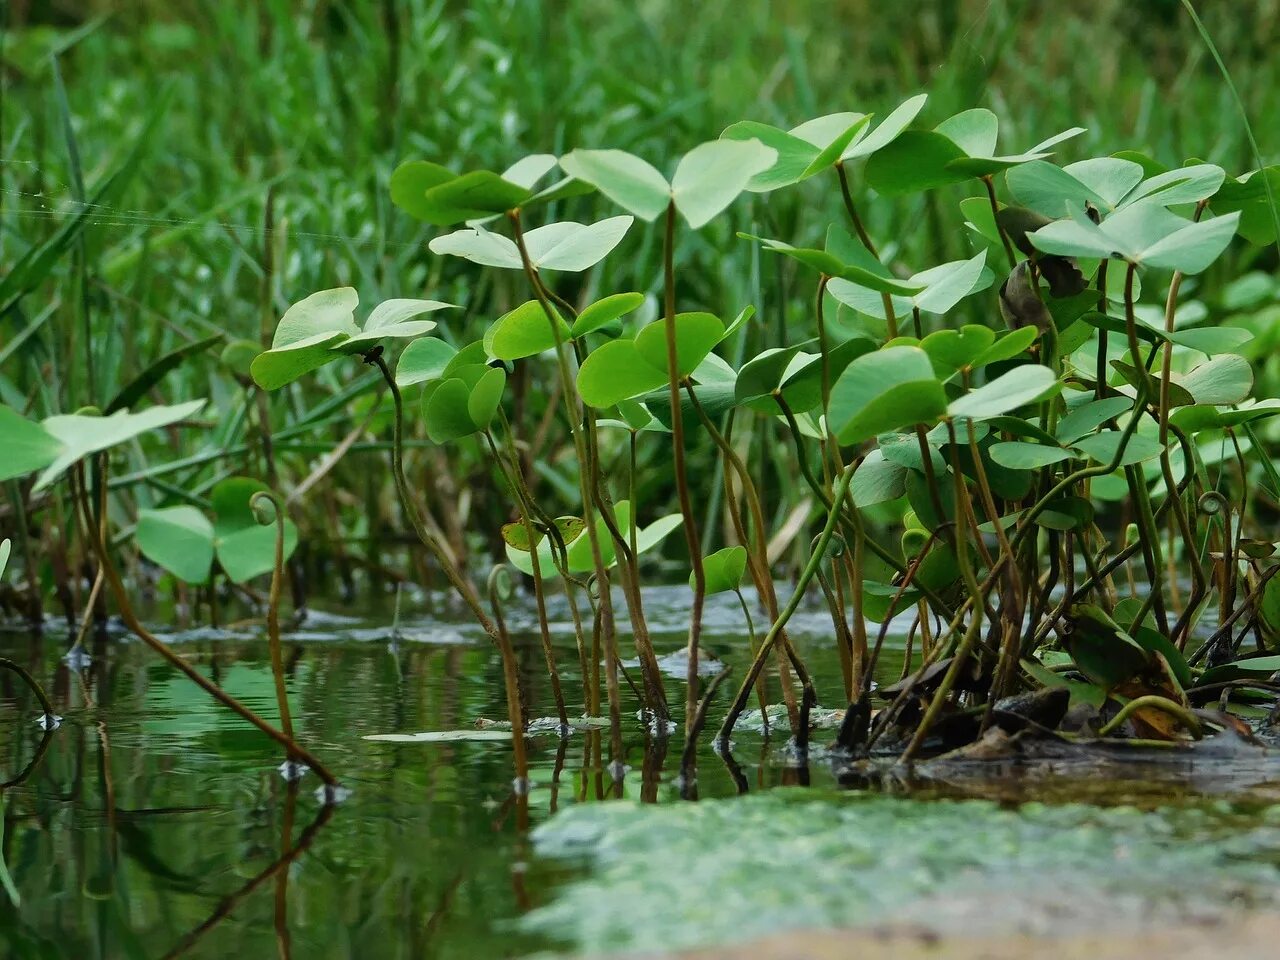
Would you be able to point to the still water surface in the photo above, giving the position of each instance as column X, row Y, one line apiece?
column 154, row 824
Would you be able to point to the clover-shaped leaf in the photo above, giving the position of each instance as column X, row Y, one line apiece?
column 882, row 391
column 578, row 553
column 321, row 328
column 524, row 332
column 185, row 542
column 624, row 369
column 568, row 246
column 959, row 148
column 722, row 571
column 1146, row 234
column 80, row 435
column 437, row 195
column 803, row 151
column 1252, row 195
column 707, row 179
column 938, row 289
column 850, row 264
column 1007, row 392
column 463, row 400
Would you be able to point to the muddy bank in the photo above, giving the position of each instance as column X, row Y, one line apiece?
column 1249, row 937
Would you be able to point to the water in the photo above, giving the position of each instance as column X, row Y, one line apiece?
column 153, row 822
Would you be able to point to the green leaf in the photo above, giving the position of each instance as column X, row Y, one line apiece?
column 605, row 311
column 1102, row 448
column 245, row 548
column 485, row 397
column 1223, row 380
column 939, row 289
column 802, row 152
column 470, row 196
column 1087, row 417
column 882, row 391
column 1020, row 455
column 1101, row 650
column 410, row 182
column 179, row 539
column 722, row 571
column 395, row 318
column 27, row 446
column 1184, row 185
column 889, row 129
column 6, row 548
column 81, row 435
column 446, row 413
column 867, row 272
column 917, row 160
column 1012, row 344
column 479, row 245
column 1143, row 233
column 524, row 332
column 973, row 131
column 424, row 360
column 1251, row 195
column 579, row 550
column 615, row 371
column 877, row 480
column 470, row 735
column 517, row 534
column 574, row 247
column 527, row 171
column 1199, row 417
column 304, row 336
column 1050, row 190
column 624, row 178
column 953, row 350
column 1250, row 668
column 696, row 335
column 711, row 175
column 1212, row 340
column 1007, row 392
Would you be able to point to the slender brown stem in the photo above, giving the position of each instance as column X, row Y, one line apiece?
column 691, row 535
column 273, row 608
column 121, row 594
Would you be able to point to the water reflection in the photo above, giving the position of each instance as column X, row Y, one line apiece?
column 154, row 824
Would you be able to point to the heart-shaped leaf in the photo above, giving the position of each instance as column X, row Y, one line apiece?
column 28, row 446
column 573, row 247
column 710, row 176
column 81, row 435
column 179, row 539
column 868, row 141
column 1143, row 233
column 877, row 480
column 395, row 318
column 696, row 335
column 803, row 151
column 430, row 192
column 624, row 178
column 1020, row 455
column 1006, row 393
column 424, row 360
column 605, row 311
column 245, row 548
column 722, row 571
column 616, row 371
column 524, row 332
column 883, row 391
column 939, row 289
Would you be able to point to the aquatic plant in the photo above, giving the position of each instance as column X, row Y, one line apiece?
column 1027, row 459
column 1010, row 449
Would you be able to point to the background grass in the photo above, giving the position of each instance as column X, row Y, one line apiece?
column 274, row 127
